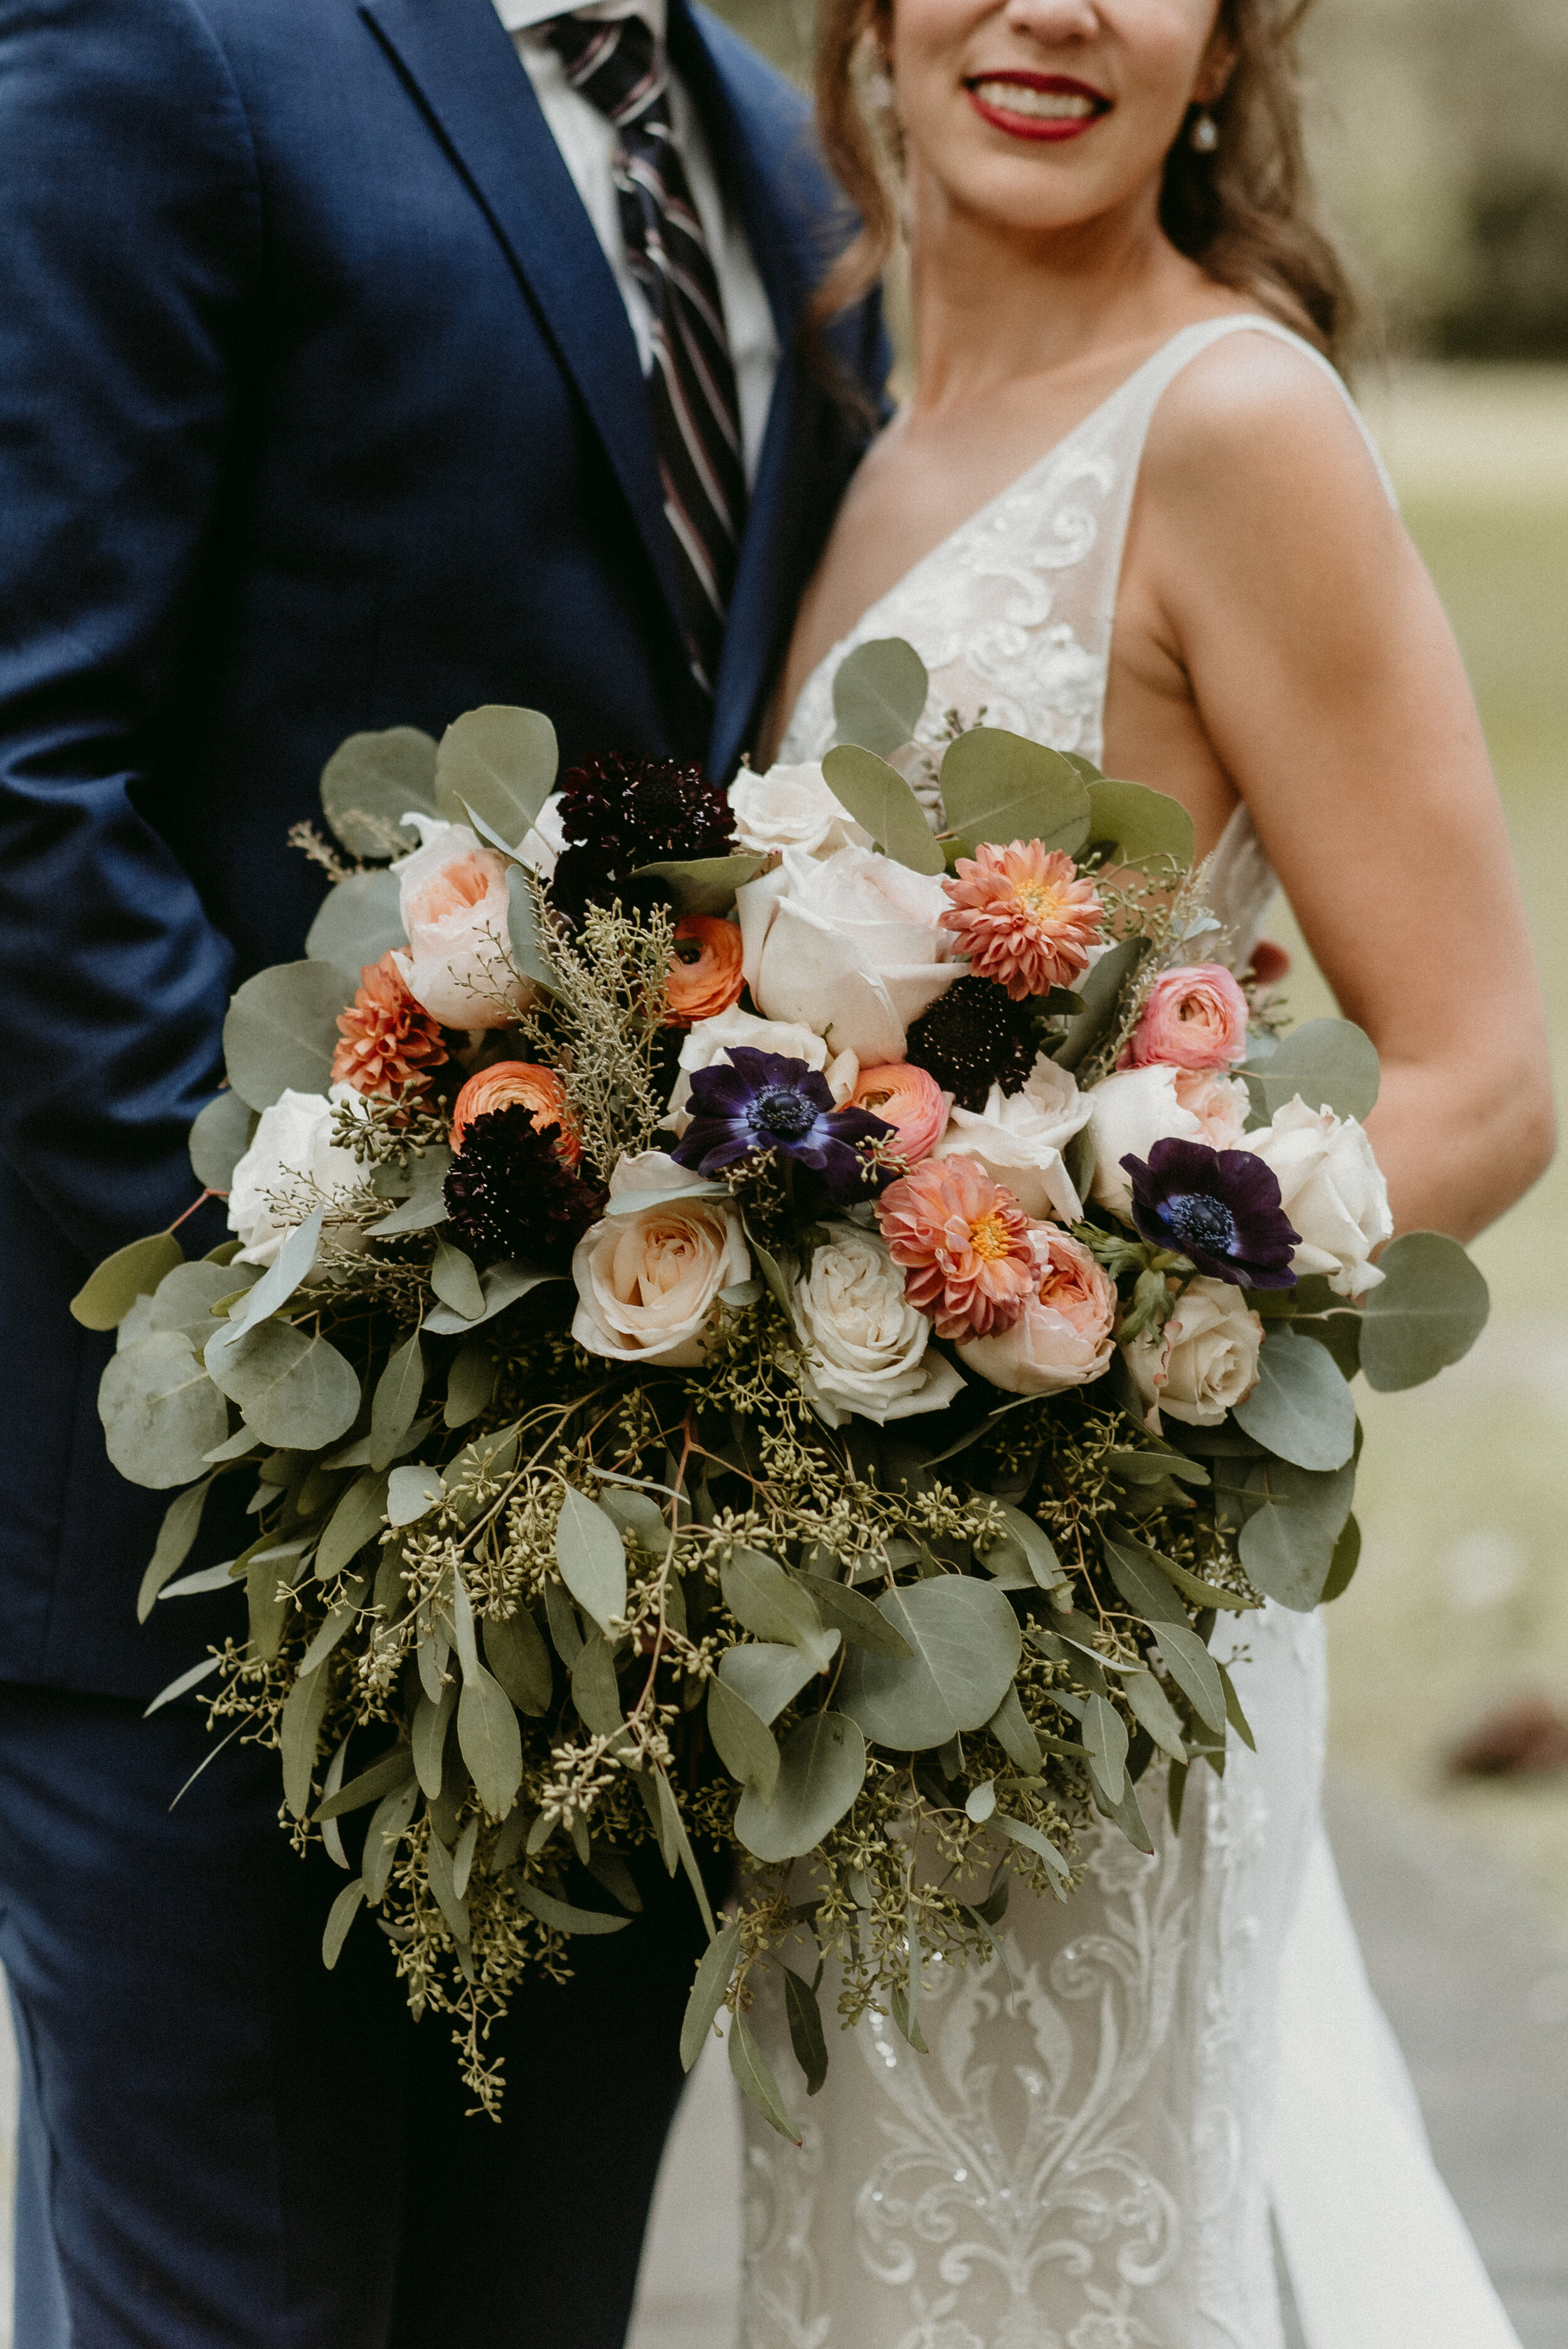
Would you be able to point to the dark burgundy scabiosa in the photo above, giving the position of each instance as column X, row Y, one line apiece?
column 1218, row 1209
column 618, row 814
column 766, row 1102
column 973, row 1036
column 509, row 1194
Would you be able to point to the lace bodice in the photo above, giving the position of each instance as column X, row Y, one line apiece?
column 1013, row 614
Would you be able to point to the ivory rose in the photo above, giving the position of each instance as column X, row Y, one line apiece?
column 1064, row 1337
column 1207, row 1360
column 849, row 945
column 1019, row 1138
column 1132, row 1110
column 294, row 1166
column 453, row 902
column 871, row 1350
column 647, row 1277
column 710, row 1039
column 1333, row 1190
column 1195, row 1017
column 790, row 807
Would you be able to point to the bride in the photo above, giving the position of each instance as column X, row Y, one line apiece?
column 1128, row 510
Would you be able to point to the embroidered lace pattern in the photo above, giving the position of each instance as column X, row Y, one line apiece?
column 1079, row 2162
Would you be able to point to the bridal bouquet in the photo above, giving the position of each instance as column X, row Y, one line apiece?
column 771, row 1323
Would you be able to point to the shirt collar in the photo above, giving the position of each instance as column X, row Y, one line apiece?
column 518, row 15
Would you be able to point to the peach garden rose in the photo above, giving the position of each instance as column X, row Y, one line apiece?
column 1063, row 1336
column 453, row 902
column 648, row 1276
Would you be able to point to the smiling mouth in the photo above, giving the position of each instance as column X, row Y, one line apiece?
column 1036, row 106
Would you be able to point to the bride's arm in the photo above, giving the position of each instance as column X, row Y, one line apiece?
column 1327, row 678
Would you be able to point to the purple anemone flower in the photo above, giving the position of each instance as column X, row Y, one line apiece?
column 1218, row 1209
column 763, row 1100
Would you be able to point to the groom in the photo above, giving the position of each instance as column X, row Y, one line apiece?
column 361, row 361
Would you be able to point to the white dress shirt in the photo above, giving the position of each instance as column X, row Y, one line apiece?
column 587, row 141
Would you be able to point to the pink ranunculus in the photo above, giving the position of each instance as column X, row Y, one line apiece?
column 910, row 1100
column 1064, row 1337
column 1195, row 1017
column 453, row 901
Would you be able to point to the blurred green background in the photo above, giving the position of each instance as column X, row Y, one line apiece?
column 1440, row 132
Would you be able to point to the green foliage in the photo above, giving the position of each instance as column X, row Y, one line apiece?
column 715, row 1967
column 219, row 1139
column 1331, row 1063
column 161, row 1414
column 372, row 782
column 104, row 1300
column 359, row 922
column 1140, row 826
column 877, row 796
column 703, row 884
column 500, row 764
column 1300, row 1409
column 1428, row 1312
column 281, row 1032
column 965, row 1644
column 998, row 787
column 879, row 693
column 821, row 1769
column 593, row 1562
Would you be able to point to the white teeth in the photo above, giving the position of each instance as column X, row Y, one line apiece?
column 1046, row 105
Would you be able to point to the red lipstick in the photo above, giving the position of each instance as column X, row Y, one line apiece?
column 1048, row 105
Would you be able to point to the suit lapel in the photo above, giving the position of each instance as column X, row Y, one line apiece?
column 478, row 94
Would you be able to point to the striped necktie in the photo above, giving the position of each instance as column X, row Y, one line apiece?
column 619, row 67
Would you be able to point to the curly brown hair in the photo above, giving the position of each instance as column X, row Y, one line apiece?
column 1244, row 210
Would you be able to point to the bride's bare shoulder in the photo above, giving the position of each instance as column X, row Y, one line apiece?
column 1255, row 424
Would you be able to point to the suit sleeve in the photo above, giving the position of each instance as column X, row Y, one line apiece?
column 131, row 241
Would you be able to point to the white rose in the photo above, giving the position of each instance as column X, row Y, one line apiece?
column 1136, row 1108
column 791, row 807
column 871, row 1351
column 708, row 1040
column 1019, row 1138
column 647, row 1277
column 849, row 945
column 1334, row 1193
column 290, row 1168
column 1211, row 1354
column 453, row 902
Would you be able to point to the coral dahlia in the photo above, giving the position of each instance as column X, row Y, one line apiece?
column 388, row 1039
column 1023, row 916
column 965, row 1245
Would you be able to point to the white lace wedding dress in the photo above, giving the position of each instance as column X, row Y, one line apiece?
column 1092, row 2162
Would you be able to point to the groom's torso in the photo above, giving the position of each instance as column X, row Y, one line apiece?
column 437, row 487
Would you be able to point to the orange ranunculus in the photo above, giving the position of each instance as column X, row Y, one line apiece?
column 705, row 976
column 908, row 1098
column 511, row 1081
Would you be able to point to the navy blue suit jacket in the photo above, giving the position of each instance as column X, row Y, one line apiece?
column 319, row 411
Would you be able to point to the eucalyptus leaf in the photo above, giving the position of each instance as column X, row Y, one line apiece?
column 360, row 920
column 372, row 782
column 442, row 1877
column 428, row 1737
column 1144, row 827
column 770, row 1603
column 219, row 1139
column 821, row 1769
column 186, row 1297
column 591, row 1558
column 853, row 1614
column 501, row 762
column 750, row 2066
column 412, row 1494
column 1020, row 1831
column 1301, row 1407
column 1288, row 1544
column 1233, row 1714
column 767, row 1673
column 530, row 955
column 879, row 693
column 1428, row 1312
column 1033, row 1545
column 1331, row 1063
column 520, row 1660
column 1346, row 1559
column 382, row 1837
column 344, row 1910
column 299, row 1734
column 334, row 1624
column 427, row 1202
column 396, row 1403
column 1154, row 1709
column 1000, row 787
column 296, row 1390
column 715, row 1967
column 1145, row 1588
column 176, row 1536
column 966, row 1647
column 387, row 1775
column 1194, row 1672
column 201, row 1584
column 489, row 1741
column 471, row 1383
column 504, row 1284
column 281, row 1032
column 1101, row 989
column 455, row 1281
column 161, row 1414
column 357, row 1520
column 107, row 1297
column 702, row 885
column 806, row 2034
column 1105, row 1741
column 673, row 1836
column 593, row 1689
column 742, row 1740
column 182, row 1686
column 1010, row 1726
column 561, row 1917
column 878, row 798
column 289, row 1269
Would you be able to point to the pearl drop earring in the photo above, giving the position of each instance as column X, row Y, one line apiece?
column 1205, row 133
